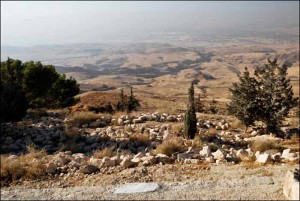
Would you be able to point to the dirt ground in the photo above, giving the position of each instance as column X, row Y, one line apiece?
column 199, row 182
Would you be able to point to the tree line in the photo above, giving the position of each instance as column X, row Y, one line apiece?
column 33, row 85
column 266, row 96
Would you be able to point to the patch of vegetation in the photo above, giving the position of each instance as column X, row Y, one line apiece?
column 32, row 85
column 266, row 97
column 83, row 117
column 170, row 146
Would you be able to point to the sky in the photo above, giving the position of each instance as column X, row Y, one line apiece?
column 64, row 22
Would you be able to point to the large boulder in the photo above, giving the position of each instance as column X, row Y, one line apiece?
column 291, row 185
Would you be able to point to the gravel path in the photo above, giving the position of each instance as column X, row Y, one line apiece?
column 231, row 187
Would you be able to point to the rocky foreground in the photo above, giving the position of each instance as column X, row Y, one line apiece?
column 148, row 147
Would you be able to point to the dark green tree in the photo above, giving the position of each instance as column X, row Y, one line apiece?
column 199, row 107
column 190, row 120
column 121, row 106
column 243, row 104
column 132, row 103
column 275, row 94
column 267, row 96
column 62, row 92
column 13, row 101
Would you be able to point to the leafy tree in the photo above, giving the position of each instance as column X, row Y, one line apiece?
column 34, row 85
column 133, row 103
column 13, row 101
column 190, row 120
column 37, row 82
column 242, row 104
column 121, row 106
column 199, row 107
column 267, row 96
column 63, row 91
column 275, row 94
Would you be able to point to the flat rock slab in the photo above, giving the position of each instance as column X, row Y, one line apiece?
column 136, row 188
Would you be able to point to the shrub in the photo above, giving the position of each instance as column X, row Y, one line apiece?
column 170, row 146
column 27, row 166
column 264, row 145
column 37, row 113
column 212, row 131
column 106, row 152
column 83, row 117
column 142, row 139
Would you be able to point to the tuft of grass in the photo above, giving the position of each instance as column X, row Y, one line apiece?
column 212, row 131
column 37, row 113
column 106, row 152
column 32, row 152
column 264, row 145
column 236, row 124
column 69, row 146
column 143, row 139
column 82, row 117
column 27, row 166
column 170, row 146
column 177, row 128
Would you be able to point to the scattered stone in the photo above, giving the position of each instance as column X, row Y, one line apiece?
column 264, row 158
column 136, row 188
column 291, row 185
column 88, row 169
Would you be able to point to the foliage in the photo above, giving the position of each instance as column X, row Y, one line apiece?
column 133, row 103
column 33, row 85
column 121, row 106
column 190, row 120
column 241, row 104
column 129, row 104
column 12, row 97
column 268, row 96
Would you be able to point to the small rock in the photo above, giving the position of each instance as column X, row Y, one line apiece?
column 88, row 169
column 264, row 158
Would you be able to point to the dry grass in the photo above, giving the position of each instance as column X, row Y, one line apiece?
column 170, row 146
column 264, row 145
column 106, row 152
column 27, row 166
column 292, row 144
column 177, row 128
column 71, row 132
column 37, row 113
column 69, row 146
column 236, row 124
column 83, row 117
column 143, row 139
column 212, row 131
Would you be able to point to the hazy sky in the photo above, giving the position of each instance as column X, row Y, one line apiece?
column 45, row 22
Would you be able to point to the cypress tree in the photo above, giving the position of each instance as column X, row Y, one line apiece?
column 190, row 120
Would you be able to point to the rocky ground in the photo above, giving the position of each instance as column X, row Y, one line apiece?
column 88, row 160
column 232, row 182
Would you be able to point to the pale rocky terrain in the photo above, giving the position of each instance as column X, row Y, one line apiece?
column 221, row 167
